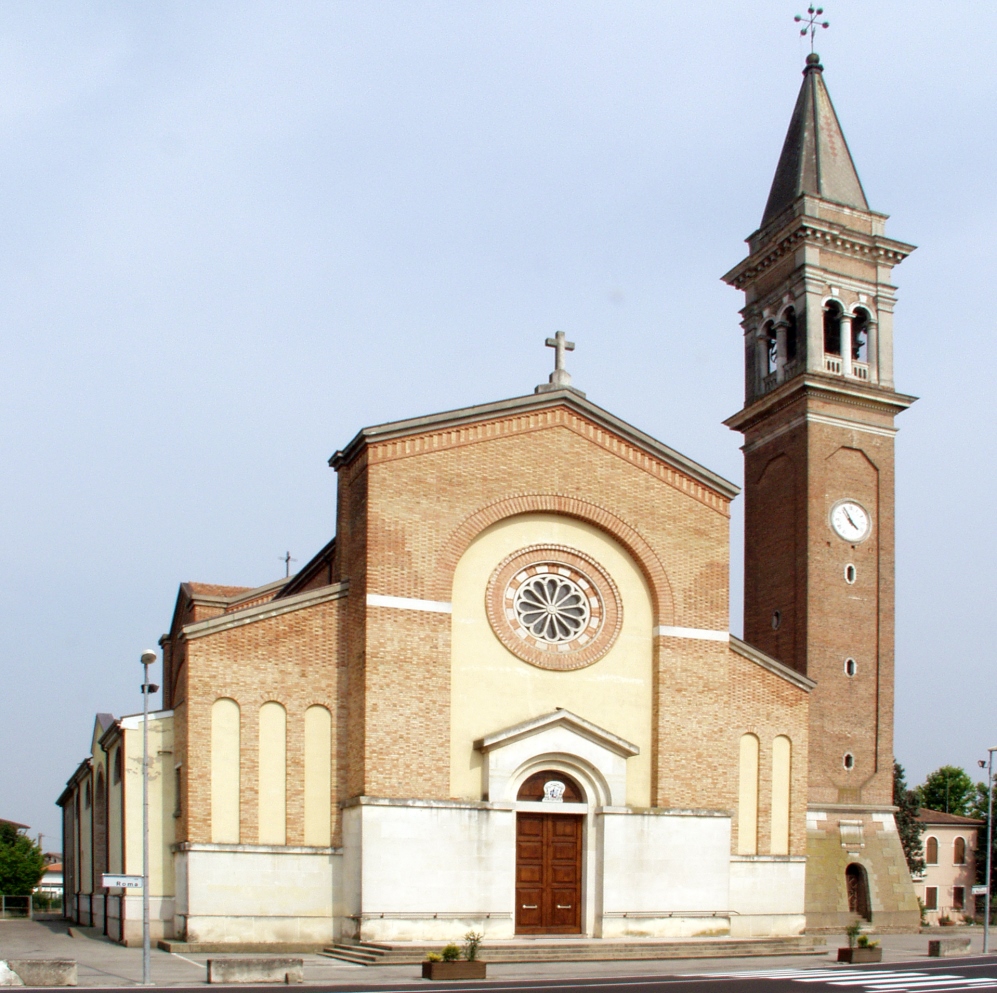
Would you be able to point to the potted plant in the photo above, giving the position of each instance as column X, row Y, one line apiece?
column 448, row 964
column 860, row 947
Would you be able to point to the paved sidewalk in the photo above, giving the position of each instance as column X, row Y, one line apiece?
column 104, row 963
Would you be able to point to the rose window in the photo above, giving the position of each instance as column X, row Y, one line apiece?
column 552, row 608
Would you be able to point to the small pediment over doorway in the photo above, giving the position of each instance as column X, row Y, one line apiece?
column 595, row 757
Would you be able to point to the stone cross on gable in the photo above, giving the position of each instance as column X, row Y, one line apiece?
column 560, row 379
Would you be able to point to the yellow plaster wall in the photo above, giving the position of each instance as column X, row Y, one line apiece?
column 318, row 776
column 114, row 811
column 491, row 689
column 747, row 796
column 162, row 802
column 273, row 774
column 781, row 775
column 225, row 758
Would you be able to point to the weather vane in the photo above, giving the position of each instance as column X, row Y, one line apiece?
column 811, row 23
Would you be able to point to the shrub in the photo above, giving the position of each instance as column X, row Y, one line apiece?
column 450, row 952
column 853, row 931
column 434, row 957
column 472, row 942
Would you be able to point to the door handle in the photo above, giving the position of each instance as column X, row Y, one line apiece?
column 564, row 906
column 529, row 906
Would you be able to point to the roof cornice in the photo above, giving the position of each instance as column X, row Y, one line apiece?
column 272, row 608
column 774, row 666
column 820, row 387
column 525, row 404
column 822, row 233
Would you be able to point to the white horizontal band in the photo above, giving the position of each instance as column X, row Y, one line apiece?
column 702, row 634
column 407, row 603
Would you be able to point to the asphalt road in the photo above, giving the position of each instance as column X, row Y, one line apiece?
column 947, row 976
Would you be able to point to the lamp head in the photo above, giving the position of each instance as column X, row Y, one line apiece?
column 148, row 657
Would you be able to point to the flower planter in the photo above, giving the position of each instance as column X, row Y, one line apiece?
column 453, row 970
column 856, row 955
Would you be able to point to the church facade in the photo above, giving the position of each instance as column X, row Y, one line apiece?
column 505, row 696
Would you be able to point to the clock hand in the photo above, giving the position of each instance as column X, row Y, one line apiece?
column 850, row 521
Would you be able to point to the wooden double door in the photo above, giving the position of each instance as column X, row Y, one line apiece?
column 548, row 873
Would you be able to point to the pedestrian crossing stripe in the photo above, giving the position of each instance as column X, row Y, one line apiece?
column 872, row 981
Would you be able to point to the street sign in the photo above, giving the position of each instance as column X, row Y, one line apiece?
column 110, row 880
column 979, row 891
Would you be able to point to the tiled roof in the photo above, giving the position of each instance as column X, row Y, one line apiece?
column 926, row 816
column 213, row 589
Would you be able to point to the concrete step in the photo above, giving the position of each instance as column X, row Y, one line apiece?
column 357, row 954
column 595, row 950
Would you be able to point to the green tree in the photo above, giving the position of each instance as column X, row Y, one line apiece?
column 978, row 808
column 949, row 790
column 910, row 831
column 21, row 862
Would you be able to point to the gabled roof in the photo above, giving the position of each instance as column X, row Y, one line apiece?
column 815, row 157
column 535, row 402
column 939, row 817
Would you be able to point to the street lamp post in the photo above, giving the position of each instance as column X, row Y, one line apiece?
column 990, row 845
column 148, row 658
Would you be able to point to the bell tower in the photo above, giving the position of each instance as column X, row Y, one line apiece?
column 819, row 407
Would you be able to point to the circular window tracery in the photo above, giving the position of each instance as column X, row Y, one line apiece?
column 554, row 607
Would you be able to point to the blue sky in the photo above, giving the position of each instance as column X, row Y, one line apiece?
column 233, row 233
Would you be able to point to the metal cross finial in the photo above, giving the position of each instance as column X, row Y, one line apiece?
column 287, row 560
column 811, row 23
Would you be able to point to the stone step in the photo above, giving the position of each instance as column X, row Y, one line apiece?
column 369, row 953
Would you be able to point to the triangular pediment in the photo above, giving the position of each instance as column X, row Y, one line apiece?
column 436, row 432
column 558, row 718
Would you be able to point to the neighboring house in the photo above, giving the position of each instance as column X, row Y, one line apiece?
column 949, row 846
column 51, row 883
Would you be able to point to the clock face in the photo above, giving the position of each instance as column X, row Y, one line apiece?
column 850, row 521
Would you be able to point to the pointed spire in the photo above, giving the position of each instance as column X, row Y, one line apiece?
column 815, row 157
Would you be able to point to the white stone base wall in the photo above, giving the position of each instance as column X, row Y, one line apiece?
column 421, row 870
column 429, row 871
column 665, row 874
column 767, row 895
column 254, row 893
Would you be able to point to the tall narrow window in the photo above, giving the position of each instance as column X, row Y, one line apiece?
column 273, row 775
column 930, row 897
column 318, row 776
column 860, row 336
column 117, row 764
column 781, row 761
column 959, row 851
column 770, row 346
column 931, row 851
column 832, row 329
column 747, row 796
column 791, row 332
column 958, row 897
column 225, row 752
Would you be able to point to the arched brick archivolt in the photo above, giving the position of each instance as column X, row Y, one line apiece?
column 551, row 503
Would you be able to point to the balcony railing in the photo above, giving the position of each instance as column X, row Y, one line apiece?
column 860, row 370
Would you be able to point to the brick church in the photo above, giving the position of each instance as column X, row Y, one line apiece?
column 504, row 696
